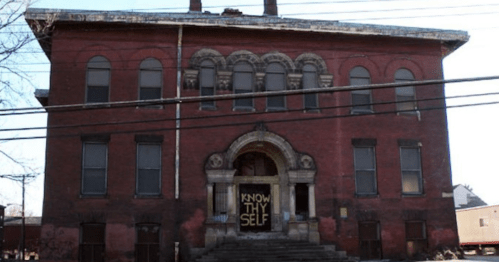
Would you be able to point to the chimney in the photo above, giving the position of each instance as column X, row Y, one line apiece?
column 270, row 7
column 195, row 6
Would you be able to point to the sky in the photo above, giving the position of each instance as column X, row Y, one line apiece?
column 472, row 130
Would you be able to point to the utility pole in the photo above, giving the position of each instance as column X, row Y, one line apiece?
column 23, row 226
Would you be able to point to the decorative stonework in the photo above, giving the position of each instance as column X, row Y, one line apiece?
column 224, row 80
column 244, row 56
column 313, row 59
column 294, row 81
column 210, row 54
column 215, row 161
column 276, row 57
column 259, row 82
column 326, row 80
column 191, row 79
column 306, row 162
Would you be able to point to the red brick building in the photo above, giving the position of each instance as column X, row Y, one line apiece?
column 366, row 169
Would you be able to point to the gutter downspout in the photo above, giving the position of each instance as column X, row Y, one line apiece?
column 177, row 113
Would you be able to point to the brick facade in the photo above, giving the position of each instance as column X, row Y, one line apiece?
column 322, row 148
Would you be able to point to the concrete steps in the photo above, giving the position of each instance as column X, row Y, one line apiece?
column 274, row 250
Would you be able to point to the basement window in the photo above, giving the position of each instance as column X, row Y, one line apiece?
column 370, row 240
column 92, row 242
column 147, row 243
column 415, row 234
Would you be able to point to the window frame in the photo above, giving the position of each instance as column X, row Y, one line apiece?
column 93, row 245
column 354, row 107
column 138, row 168
column 283, row 74
column 97, row 63
column 208, row 104
column 235, row 72
column 315, row 96
column 145, row 68
column 420, row 171
column 423, row 240
column 148, row 245
column 373, row 170
column 83, row 192
column 398, row 100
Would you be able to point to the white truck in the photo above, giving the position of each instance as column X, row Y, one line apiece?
column 478, row 228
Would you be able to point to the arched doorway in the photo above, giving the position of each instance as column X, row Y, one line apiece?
column 251, row 189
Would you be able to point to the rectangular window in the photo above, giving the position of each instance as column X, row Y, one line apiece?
column 370, row 242
column 92, row 242
column 415, row 234
column 310, row 82
column 220, row 206
column 207, row 85
column 147, row 243
column 148, row 169
column 365, row 170
column 410, row 164
column 97, row 85
column 243, row 83
column 275, row 82
column 94, row 171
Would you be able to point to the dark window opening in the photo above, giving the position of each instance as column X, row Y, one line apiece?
column 92, row 243
column 147, row 245
column 370, row 242
column 275, row 80
column 301, row 193
column 220, row 202
column 242, row 84
column 310, row 101
column 255, row 164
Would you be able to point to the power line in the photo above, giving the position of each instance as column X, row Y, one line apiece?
column 195, row 99
column 152, row 130
column 242, row 114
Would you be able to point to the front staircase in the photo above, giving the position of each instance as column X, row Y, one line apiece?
column 274, row 250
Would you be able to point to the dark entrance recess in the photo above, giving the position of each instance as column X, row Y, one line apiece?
column 255, row 164
column 301, row 192
column 254, row 207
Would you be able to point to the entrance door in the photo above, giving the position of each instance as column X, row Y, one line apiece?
column 254, row 207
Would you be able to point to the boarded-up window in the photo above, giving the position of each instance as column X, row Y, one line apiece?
column 92, row 242
column 151, row 73
column 411, row 170
column 310, row 101
column 365, row 170
column 415, row 234
column 147, row 245
column 275, row 80
column 370, row 242
column 94, row 168
column 207, row 82
column 148, row 169
column 98, row 75
column 361, row 99
column 242, row 84
column 405, row 95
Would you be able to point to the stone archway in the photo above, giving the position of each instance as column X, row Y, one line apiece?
column 292, row 168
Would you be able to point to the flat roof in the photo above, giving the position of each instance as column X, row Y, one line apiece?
column 453, row 38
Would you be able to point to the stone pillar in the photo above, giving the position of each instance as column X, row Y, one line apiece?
column 209, row 206
column 231, row 210
column 292, row 203
column 311, row 201
column 292, row 225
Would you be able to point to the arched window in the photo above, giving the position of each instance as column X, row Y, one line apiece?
column 150, row 79
column 98, row 76
column 310, row 101
column 207, row 82
column 243, row 83
column 405, row 95
column 275, row 80
column 361, row 99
